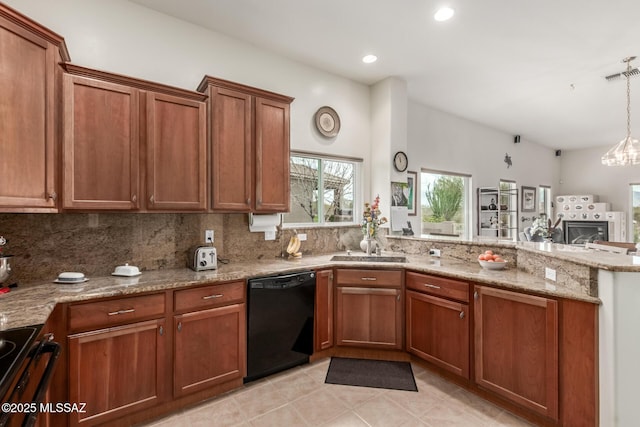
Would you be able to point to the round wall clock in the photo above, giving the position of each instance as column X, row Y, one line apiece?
column 400, row 161
column 327, row 121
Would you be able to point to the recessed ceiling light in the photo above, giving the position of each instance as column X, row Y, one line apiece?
column 443, row 14
column 368, row 59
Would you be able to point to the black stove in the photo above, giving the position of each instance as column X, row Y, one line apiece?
column 15, row 345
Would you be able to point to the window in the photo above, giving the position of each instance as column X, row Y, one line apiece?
column 446, row 205
column 544, row 201
column 323, row 190
column 635, row 212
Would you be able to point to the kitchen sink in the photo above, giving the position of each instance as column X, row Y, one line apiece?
column 369, row 258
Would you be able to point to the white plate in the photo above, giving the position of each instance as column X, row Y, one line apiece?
column 493, row 265
column 70, row 282
column 126, row 275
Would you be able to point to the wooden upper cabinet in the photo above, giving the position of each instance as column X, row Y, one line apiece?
column 232, row 153
column 272, row 155
column 30, row 90
column 249, row 137
column 119, row 130
column 176, row 153
column 101, row 145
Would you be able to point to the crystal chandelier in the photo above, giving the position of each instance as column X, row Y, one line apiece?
column 627, row 151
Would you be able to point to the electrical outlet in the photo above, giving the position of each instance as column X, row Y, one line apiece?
column 208, row 236
column 302, row 236
column 435, row 253
column 549, row 273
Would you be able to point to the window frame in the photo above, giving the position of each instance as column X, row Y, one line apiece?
column 467, row 205
column 357, row 190
column 631, row 237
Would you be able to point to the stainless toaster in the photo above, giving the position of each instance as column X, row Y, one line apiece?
column 202, row 258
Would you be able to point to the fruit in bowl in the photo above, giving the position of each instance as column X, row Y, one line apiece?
column 491, row 261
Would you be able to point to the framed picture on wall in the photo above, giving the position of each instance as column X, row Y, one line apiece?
column 412, row 178
column 528, row 199
column 399, row 194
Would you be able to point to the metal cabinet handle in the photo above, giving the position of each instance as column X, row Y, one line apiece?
column 462, row 314
column 259, row 201
column 115, row 313
column 53, row 196
column 179, row 326
column 370, row 279
column 398, row 297
column 151, row 199
column 134, row 198
column 248, row 201
column 475, row 295
column 161, row 331
column 428, row 285
column 213, row 296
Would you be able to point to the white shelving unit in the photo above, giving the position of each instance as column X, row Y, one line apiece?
column 498, row 211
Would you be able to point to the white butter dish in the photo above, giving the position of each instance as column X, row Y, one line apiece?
column 126, row 271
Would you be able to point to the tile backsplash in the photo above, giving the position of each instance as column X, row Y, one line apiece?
column 43, row 245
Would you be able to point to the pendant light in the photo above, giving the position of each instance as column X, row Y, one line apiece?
column 627, row 151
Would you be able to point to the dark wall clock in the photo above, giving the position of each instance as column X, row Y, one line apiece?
column 400, row 161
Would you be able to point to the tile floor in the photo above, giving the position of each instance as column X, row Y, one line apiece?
column 299, row 397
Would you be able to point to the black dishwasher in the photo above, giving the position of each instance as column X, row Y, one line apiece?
column 279, row 322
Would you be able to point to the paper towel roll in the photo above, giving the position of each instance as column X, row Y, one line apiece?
column 264, row 222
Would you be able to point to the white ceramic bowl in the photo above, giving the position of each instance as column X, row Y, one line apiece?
column 492, row 265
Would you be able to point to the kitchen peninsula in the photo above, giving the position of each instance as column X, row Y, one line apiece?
column 587, row 288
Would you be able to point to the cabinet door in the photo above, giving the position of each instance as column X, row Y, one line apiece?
column 369, row 317
column 516, row 339
column 117, row 371
column 324, row 310
column 210, row 348
column 101, row 147
column 176, row 153
column 438, row 331
column 272, row 156
column 231, row 150
column 27, row 119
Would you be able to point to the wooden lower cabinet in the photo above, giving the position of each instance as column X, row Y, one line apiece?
column 438, row 331
column 369, row 317
column 516, row 348
column 209, row 348
column 323, row 317
column 117, row 371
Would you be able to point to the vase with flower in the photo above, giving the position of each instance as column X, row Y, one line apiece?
column 542, row 228
column 371, row 221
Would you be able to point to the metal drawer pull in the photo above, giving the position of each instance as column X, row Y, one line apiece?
column 431, row 286
column 161, row 331
column 179, row 326
column 462, row 314
column 370, row 279
column 114, row 313
column 213, row 296
column 475, row 295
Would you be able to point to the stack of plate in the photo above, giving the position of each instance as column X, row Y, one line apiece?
column 70, row 277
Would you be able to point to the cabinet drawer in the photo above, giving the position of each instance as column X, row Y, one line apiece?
column 371, row 278
column 100, row 314
column 209, row 296
column 448, row 288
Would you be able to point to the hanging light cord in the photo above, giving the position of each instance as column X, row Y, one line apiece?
column 628, row 61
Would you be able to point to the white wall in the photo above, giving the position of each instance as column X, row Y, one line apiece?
column 582, row 172
column 126, row 38
column 444, row 142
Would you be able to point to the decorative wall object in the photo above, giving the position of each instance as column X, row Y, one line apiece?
column 412, row 179
column 528, row 199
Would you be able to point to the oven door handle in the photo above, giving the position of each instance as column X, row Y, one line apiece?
column 39, row 395
column 39, row 349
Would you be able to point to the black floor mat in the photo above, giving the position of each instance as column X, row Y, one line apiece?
column 371, row 373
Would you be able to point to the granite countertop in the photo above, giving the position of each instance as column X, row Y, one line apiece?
column 32, row 303
column 580, row 255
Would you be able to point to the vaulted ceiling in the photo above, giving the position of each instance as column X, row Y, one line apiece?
column 533, row 68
